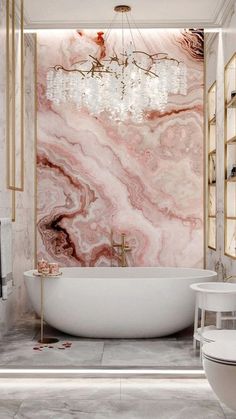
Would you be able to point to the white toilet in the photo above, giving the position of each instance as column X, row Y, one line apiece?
column 219, row 363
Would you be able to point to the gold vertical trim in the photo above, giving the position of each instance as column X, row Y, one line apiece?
column 212, row 88
column 225, row 162
column 7, row 92
column 13, row 206
column 11, row 89
column 215, row 87
column 41, row 308
column 204, row 157
column 22, row 95
column 233, row 58
column 8, row 81
column 35, row 147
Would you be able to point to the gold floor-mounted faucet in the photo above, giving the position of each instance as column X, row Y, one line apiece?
column 124, row 248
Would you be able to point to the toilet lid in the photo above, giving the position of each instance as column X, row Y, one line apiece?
column 224, row 352
column 219, row 335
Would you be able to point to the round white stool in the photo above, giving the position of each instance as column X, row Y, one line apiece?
column 218, row 297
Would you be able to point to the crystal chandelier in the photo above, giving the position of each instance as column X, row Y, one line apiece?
column 125, row 85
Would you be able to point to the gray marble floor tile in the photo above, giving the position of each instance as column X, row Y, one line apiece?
column 66, row 409
column 25, row 329
column 174, row 389
column 138, row 409
column 16, row 350
column 103, row 399
column 150, row 352
column 229, row 413
column 43, row 389
column 9, row 408
column 22, row 354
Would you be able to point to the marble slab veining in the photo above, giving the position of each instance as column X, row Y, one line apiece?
column 110, row 399
column 147, row 352
column 44, row 389
column 9, row 408
column 101, row 409
column 171, row 389
column 143, row 179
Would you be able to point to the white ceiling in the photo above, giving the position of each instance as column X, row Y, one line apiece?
column 147, row 13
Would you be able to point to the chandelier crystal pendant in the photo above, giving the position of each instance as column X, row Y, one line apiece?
column 125, row 85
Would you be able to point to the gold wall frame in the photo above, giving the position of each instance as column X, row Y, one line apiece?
column 230, row 152
column 15, row 94
column 35, row 146
column 211, row 166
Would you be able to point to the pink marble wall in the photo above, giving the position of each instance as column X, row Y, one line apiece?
column 142, row 179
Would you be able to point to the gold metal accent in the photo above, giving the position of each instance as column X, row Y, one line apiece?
column 211, row 153
column 98, row 67
column 117, row 64
column 228, row 142
column 43, row 339
column 122, row 9
column 124, row 248
column 205, row 179
column 42, row 310
column 226, row 279
column 10, row 11
column 22, row 95
column 232, row 140
column 11, row 31
column 13, row 206
column 231, row 103
column 212, row 121
column 35, row 149
column 231, row 179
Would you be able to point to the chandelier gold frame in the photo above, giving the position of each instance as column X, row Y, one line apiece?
column 145, row 66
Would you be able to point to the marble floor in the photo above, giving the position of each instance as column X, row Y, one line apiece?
column 109, row 399
column 19, row 348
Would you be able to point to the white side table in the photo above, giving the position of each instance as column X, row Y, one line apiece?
column 217, row 297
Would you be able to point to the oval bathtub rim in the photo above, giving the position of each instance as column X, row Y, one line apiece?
column 208, row 273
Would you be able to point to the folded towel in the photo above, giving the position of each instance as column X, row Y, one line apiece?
column 6, row 256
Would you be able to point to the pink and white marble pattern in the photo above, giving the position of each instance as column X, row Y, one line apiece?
column 95, row 176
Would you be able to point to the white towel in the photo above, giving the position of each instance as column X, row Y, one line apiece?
column 6, row 255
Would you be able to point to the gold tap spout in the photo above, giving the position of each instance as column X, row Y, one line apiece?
column 124, row 247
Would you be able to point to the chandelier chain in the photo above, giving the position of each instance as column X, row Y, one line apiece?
column 130, row 29
column 140, row 34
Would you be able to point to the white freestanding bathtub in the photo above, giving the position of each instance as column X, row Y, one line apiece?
column 118, row 302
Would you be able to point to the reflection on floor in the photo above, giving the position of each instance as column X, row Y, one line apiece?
column 109, row 399
column 20, row 349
